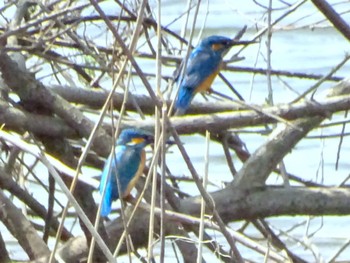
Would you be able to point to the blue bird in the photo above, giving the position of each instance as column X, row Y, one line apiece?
column 202, row 67
column 126, row 163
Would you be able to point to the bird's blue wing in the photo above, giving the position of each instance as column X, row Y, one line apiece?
column 200, row 66
column 130, row 162
column 111, row 192
column 124, row 165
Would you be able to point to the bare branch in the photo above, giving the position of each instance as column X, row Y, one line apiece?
column 21, row 229
column 20, row 120
column 333, row 17
column 34, row 94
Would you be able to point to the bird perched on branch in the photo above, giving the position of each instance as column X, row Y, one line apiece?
column 202, row 67
column 124, row 166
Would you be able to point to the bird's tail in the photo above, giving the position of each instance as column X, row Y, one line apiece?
column 183, row 100
column 106, row 205
column 110, row 192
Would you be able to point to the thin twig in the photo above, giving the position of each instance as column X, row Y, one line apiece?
column 205, row 179
column 209, row 202
column 314, row 87
column 268, row 54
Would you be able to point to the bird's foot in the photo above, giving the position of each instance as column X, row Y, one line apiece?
column 128, row 198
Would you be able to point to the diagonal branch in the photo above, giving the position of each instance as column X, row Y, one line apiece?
column 261, row 163
column 34, row 93
column 19, row 120
column 333, row 17
column 21, row 229
column 7, row 183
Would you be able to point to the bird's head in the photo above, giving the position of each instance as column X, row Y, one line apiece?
column 218, row 44
column 135, row 137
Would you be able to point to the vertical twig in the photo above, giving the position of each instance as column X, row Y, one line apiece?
column 268, row 54
column 228, row 155
column 189, row 49
column 154, row 192
column 82, row 160
column 205, row 179
column 184, row 26
column 108, row 100
column 236, row 256
column 98, row 216
column 162, row 183
column 50, row 205
column 341, row 141
column 156, row 135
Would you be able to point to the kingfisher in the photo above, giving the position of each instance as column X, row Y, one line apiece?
column 124, row 166
column 203, row 65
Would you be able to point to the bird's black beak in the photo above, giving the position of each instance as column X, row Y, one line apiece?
column 150, row 140
column 242, row 43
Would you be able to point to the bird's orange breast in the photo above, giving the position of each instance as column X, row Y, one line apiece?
column 205, row 85
column 137, row 174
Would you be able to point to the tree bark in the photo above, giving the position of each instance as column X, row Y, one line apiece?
column 21, row 229
column 233, row 205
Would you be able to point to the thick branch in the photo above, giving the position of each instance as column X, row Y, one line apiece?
column 234, row 204
column 21, row 229
column 19, row 120
column 246, row 118
column 34, row 94
column 258, row 167
column 333, row 17
column 97, row 98
column 261, row 163
column 4, row 256
column 7, row 183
